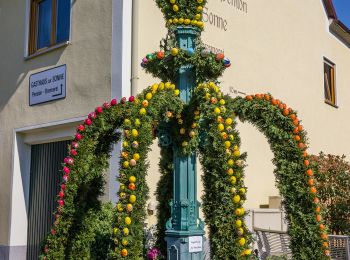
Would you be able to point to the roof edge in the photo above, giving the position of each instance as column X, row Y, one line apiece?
column 344, row 33
column 331, row 13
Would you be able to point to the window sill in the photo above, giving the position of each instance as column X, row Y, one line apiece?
column 38, row 53
column 331, row 104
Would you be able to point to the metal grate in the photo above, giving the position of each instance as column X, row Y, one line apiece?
column 339, row 246
column 45, row 176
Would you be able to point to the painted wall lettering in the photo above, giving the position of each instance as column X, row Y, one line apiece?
column 214, row 19
column 240, row 5
column 212, row 48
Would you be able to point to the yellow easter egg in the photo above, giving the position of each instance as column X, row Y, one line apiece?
column 175, row 8
column 241, row 241
column 230, row 171
column 137, row 122
column 221, row 127
column 125, row 144
column 222, row 102
column 155, row 87
column 126, row 164
column 132, row 179
column 127, row 121
column 227, row 144
column 132, row 199
column 181, row 20
column 242, row 190
column 200, row 24
column 125, row 242
column 126, row 231
column 149, row 96
column 134, row 132
column 217, row 110
column 198, row 16
column 127, row 220
column 248, row 252
column 238, row 223
column 136, row 156
column 230, row 162
column 228, row 121
column 174, row 52
column 187, row 21
column 176, row 92
column 115, row 231
column 182, row 131
column 161, row 86
column 142, row 111
column 233, row 179
column 172, row 1
column 237, row 153
column 236, row 199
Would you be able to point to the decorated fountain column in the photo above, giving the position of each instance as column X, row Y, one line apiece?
column 184, row 234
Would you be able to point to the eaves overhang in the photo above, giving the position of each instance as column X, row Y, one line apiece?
column 336, row 26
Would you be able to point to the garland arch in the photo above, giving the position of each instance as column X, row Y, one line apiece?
column 207, row 125
column 214, row 130
column 223, row 179
column 82, row 181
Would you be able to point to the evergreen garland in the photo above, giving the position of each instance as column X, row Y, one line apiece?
column 83, row 176
column 294, row 176
column 223, row 177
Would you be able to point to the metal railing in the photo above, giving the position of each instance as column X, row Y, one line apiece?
column 340, row 247
column 276, row 243
column 272, row 243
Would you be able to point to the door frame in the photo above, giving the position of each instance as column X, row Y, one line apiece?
column 23, row 138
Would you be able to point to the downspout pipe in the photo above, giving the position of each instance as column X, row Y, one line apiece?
column 135, row 66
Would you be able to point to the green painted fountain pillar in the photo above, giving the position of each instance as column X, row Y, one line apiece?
column 184, row 234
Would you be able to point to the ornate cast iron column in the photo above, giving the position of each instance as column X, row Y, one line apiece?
column 184, row 234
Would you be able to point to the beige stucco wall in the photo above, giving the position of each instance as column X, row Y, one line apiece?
column 88, row 60
column 277, row 47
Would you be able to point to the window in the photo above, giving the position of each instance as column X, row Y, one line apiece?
column 49, row 24
column 329, row 82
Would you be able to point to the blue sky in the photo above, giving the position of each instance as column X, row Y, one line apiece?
column 343, row 11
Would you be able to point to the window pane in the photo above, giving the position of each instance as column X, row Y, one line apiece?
column 327, row 82
column 44, row 23
column 63, row 20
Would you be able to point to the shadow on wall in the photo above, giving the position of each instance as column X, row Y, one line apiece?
column 14, row 69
